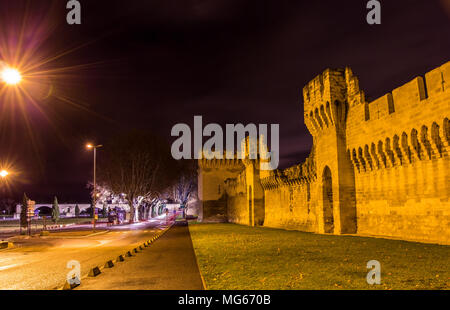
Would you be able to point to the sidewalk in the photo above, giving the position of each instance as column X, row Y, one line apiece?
column 168, row 264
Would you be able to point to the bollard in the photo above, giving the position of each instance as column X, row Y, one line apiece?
column 71, row 286
column 109, row 264
column 94, row 272
column 120, row 258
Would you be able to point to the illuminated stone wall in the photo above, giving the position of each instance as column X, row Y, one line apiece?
column 211, row 187
column 400, row 154
column 294, row 193
column 377, row 168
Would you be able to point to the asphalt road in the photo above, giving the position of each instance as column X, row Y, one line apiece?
column 41, row 262
column 168, row 264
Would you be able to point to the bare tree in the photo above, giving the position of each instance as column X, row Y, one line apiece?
column 7, row 205
column 137, row 164
column 183, row 189
column 105, row 194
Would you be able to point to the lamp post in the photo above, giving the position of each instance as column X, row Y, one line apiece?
column 94, row 195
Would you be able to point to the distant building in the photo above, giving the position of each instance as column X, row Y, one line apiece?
column 68, row 209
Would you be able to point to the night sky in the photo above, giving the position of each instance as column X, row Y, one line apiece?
column 155, row 63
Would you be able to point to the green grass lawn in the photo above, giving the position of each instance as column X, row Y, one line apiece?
column 240, row 257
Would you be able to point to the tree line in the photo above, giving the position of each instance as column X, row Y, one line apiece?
column 139, row 165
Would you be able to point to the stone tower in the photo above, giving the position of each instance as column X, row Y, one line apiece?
column 211, row 187
column 379, row 168
column 327, row 100
column 217, row 178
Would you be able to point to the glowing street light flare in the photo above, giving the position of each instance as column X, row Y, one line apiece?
column 91, row 146
column 11, row 76
column 4, row 173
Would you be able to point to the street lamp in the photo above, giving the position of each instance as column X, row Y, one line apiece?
column 11, row 76
column 4, row 174
column 94, row 195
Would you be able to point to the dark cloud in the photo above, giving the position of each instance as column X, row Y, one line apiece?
column 161, row 62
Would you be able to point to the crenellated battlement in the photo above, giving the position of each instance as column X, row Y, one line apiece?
column 323, row 95
column 377, row 168
column 326, row 87
column 221, row 163
column 404, row 126
column 332, row 85
column 213, row 160
column 210, row 160
column 302, row 173
column 296, row 175
column 327, row 99
column 410, row 96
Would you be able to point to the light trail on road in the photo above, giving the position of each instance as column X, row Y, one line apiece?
column 41, row 263
column 7, row 267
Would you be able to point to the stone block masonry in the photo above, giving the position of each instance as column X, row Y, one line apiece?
column 376, row 168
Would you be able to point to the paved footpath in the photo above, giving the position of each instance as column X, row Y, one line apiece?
column 168, row 264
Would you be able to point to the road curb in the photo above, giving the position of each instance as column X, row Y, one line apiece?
column 4, row 245
column 198, row 266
